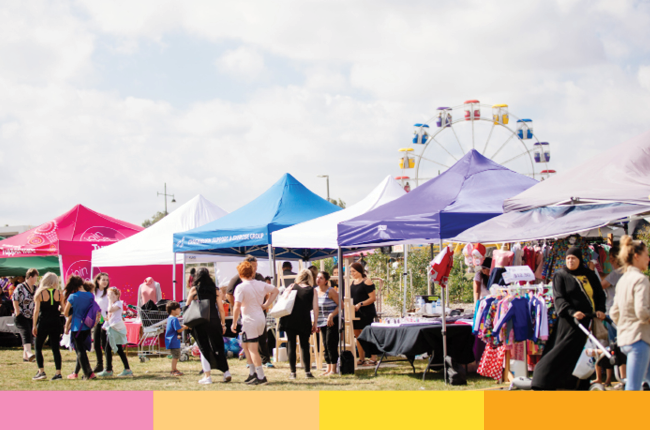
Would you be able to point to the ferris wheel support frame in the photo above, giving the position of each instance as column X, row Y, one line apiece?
column 513, row 133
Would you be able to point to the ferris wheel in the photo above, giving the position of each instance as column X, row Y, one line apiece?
column 490, row 129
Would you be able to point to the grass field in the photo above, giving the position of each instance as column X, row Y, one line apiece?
column 154, row 375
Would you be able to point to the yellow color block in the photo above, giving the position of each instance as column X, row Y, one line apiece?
column 268, row 410
column 400, row 409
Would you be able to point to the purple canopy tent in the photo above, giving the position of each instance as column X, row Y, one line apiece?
column 468, row 193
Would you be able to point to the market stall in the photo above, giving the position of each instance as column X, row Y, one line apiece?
column 248, row 229
column 468, row 193
column 71, row 238
column 150, row 253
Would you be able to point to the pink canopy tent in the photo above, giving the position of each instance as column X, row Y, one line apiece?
column 72, row 237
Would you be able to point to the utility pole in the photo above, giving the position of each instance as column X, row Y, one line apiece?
column 166, row 195
column 327, row 178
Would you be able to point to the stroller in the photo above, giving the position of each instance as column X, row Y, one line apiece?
column 601, row 353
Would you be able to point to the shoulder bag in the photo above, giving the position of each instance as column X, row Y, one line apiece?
column 197, row 313
column 284, row 305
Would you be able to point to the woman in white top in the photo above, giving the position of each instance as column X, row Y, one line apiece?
column 249, row 300
column 631, row 312
column 481, row 280
column 102, row 282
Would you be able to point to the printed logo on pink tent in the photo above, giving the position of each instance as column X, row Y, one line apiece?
column 102, row 234
column 43, row 234
column 81, row 268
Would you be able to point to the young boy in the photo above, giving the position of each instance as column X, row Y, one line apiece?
column 171, row 335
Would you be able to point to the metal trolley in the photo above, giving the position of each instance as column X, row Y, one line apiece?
column 154, row 324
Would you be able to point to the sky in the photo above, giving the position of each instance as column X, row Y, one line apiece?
column 102, row 103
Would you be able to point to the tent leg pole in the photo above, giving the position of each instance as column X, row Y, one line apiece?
column 272, row 264
column 444, row 327
column 341, row 292
column 405, row 274
column 174, row 278
column 61, row 270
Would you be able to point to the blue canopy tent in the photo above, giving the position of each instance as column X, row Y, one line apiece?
column 468, row 193
column 248, row 229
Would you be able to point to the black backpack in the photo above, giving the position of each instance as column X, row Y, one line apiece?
column 456, row 374
column 346, row 363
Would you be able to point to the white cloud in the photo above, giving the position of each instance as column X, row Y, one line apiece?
column 243, row 62
column 644, row 77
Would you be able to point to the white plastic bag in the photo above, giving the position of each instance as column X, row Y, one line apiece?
column 586, row 365
column 284, row 305
column 65, row 341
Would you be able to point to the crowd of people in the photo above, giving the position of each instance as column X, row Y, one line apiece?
column 580, row 298
column 88, row 315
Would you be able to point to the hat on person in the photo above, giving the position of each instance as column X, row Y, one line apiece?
column 487, row 263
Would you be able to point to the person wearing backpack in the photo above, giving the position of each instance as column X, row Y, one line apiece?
column 81, row 319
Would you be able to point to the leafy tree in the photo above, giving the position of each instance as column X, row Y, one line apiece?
column 338, row 202
column 154, row 219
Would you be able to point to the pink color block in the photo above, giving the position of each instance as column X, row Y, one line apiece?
column 36, row 409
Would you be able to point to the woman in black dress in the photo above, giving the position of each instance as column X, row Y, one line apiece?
column 47, row 323
column 362, row 291
column 209, row 336
column 299, row 323
column 577, row 294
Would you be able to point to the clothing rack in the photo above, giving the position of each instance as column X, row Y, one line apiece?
column 506, row 370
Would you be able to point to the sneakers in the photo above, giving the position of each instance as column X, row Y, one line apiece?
column 250, row 378
column 176, row 373
column 73, row 376
column 227, row 378
column 125, row 372
column 39, row 376
column 309, row 375
column 269, row 365
column 30, row 359
column 99, row 368
column 57, row 377
column 258, row 381
column 292, row 375
column 105, row 373
column 205, row 381
column 89, row 378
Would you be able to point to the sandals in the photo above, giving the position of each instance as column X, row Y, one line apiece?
column 372, row 362
column 361, row 362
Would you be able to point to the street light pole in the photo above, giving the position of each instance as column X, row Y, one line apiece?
column 167, row 195
column 327, row 178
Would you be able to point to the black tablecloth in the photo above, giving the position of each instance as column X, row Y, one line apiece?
column 415, row 340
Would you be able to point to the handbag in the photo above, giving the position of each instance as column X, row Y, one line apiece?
column 284, row 304
column 197, row 313
column 346, row 363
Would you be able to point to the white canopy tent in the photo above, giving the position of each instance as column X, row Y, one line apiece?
column 154, row 247
column 618, row 175
column 321, row 233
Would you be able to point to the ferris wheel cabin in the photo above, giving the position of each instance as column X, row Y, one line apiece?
column 421, row 134
column 444, row 117
column 472, row 110
column 500, row 114
column 542, row 152
column 525, row 128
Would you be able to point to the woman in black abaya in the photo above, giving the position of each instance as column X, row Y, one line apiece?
column 577, row 293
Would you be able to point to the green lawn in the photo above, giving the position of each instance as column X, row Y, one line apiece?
column 154, row 375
